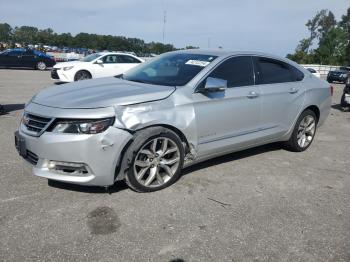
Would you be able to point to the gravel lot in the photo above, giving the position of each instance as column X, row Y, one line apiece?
column 264, row 204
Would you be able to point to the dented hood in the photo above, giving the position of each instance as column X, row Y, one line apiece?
column 103, row 92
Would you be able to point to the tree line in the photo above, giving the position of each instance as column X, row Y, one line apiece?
column 328, row 41
column 25, row 35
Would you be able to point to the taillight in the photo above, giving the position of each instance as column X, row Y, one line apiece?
column 331, row 89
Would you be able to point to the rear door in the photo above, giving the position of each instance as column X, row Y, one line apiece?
column 282, row 94
column 126, row 62
column 232, row 117
column 28, row 59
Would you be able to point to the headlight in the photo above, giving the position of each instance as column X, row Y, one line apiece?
column 67, row 68
column 82, row 126
column 343, row 75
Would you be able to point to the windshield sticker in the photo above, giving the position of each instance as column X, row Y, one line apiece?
column 197, row 63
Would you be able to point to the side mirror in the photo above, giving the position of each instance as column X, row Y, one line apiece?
column 99, row 62
column 213, row 84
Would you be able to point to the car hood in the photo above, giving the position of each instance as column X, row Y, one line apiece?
column 102, row 92
column 66, row 64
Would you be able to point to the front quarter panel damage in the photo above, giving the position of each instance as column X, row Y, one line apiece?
column 176, row 111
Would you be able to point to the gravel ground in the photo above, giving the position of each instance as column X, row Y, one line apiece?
column 264, row 204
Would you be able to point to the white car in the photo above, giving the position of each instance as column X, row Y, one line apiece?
column 95, row 66
column 314, row 72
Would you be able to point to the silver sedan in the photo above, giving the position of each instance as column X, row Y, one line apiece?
column 173, row 111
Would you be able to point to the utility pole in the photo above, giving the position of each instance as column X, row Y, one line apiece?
column 164, row 21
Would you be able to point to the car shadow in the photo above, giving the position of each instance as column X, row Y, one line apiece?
column 121, row 185
column 232, row 157
column 59, row 83
column 25, row 69
column 118, row 186
column 338, row 107
column 5, row 109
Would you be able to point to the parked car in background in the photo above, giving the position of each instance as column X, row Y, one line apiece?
column 25, row 58
column 342, row 75
column 176, row 110
column 345, row 98
column 95, row 66
column 314, row 72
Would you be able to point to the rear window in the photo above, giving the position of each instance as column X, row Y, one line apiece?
column 271, row 71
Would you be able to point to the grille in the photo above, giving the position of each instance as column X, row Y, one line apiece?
column 54, row 74
column 34, row 123
column 32, row 158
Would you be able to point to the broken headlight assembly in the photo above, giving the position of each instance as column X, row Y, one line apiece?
column 93, row 126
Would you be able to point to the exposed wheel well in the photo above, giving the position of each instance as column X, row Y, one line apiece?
column 314, row 109
column 82, row 70
column 172, row 128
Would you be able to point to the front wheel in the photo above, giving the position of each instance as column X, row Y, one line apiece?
column 41, row 66
column 155, row 160
column 304, row 132
column 82, row 75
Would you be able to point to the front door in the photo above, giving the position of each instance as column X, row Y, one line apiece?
column 108, row 68
column 230, row 117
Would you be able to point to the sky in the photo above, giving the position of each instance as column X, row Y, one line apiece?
column 273, row 26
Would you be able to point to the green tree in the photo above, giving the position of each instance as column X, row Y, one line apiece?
column 5, row 32
column 328, row 42
column 332, row 47
column 345, row 24
column 25, row 35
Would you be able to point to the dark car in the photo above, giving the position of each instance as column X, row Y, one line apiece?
column 341, row 75
column 20, row 57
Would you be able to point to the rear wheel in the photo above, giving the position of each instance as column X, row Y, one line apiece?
column 82, row 75
column 304, row 132
column 41, row 66
column 155, row 159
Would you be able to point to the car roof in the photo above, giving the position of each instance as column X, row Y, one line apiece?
column 114, row 53
column 224, row 53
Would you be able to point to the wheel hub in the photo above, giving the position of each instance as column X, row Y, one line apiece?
column 156, row 162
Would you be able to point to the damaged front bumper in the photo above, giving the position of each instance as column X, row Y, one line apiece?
column 85, row 159
column 79, row 159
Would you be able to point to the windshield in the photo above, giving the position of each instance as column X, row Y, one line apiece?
column 172, row 69
column 90, row 58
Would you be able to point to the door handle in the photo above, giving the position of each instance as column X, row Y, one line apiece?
column 293, row 90
column 252, row 94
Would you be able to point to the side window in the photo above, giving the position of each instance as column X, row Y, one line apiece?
column 110, row 59
column 238, row 71
column 125, row 59
column 272, row 71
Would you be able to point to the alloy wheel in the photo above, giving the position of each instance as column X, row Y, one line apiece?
column 157, row 162
column 41, row 66
column 306, row 131
column 82, row 76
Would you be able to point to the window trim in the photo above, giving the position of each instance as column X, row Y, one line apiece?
column 139, row 61
column 196, row 88
column 104, row 57
column 256, row 65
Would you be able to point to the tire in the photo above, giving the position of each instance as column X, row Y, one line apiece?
column 41, row 66
column 303, row 131
column 146, row 163
column 82, row 75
